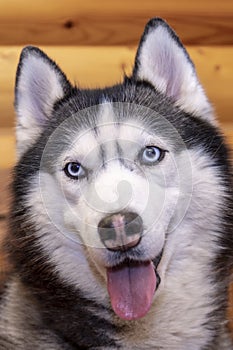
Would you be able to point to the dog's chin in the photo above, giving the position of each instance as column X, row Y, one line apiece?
column 132, row 280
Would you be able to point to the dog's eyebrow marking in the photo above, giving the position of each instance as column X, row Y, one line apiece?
column 103, row 155
column 119, row 152
column 95, row 130
column 123, row 160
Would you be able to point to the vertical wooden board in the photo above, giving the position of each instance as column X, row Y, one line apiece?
column 9, row 57
column 7, row 149
column 4, row 263
column 5, row 179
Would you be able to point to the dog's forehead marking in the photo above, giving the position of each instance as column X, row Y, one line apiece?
column 106, row 128
column 110, row 127
column 110, row 138
column 113, row 134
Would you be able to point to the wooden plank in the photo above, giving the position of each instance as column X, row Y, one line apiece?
column 77, row 22
column 4, row 263
column 7, row 152
column 5, row 178
column 100, row 66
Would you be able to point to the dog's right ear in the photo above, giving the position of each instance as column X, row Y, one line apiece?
column 39, row 85
column 163, row 61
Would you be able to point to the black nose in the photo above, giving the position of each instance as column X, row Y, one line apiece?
column 121, row 231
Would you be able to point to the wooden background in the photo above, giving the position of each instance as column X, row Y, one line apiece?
column 95, row 42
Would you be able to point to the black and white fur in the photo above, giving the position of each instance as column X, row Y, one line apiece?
column 56, row 298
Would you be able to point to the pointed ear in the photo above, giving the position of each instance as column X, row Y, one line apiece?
column 163, row 61
column 39, row 84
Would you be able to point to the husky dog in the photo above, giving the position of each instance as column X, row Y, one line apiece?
column 120, row 230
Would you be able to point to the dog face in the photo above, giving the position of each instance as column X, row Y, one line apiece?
column 121, row 167
column 114, row 175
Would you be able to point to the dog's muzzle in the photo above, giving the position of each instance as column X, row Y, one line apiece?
column 121, row 231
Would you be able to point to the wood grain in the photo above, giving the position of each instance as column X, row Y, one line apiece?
column 4, row 263
column 100, row 66
column 77, row 22
column 7, row 151
column 5, row 178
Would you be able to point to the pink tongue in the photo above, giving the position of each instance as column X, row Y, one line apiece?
column 131, row 288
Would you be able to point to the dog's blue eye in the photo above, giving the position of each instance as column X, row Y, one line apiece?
column 152, row 154
column 74, row 170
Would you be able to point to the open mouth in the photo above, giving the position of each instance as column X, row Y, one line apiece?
column 131, row 287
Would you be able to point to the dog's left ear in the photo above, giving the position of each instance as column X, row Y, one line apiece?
column 163, row 61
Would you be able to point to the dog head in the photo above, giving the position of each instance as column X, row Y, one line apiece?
column 111, row 175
